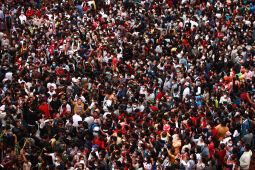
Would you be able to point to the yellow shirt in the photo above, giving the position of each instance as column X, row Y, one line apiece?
column 221, row 132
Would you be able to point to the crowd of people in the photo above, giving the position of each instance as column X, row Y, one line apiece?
column 132, row 84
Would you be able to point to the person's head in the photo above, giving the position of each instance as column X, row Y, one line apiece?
column 79, row 102
column 224, row 123
column 247, row 147
column 177, row 161
column 64, row 102
column 51, row 89
column 222, row 146
column 230, row 143
column 8, row 152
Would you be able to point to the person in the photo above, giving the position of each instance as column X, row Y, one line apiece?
column 205, row 151
column 221, row 155
column 211, row 165
column 245, row 158
column 247, row 139
column 45, row 108
column 76, row 119
column 221, row 131
column 8, row 161
column 78, row 107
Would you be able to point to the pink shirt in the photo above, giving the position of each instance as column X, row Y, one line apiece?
column 249, row 75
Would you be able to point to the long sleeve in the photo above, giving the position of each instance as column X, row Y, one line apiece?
column 245, row 160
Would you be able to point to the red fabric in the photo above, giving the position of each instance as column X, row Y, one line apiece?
column 170, row 3
column 194, row 120
column 139, row 114
column 114, row 61
column 166, row 128
column 214, row 132
column 51, row 50
column 104, row 27
column 211, row 148
column 53, row 44
column 244, row 96
column 130, row 68
column 122, row 115
column 98, row 143
column 85, row 8
column 153, row 108
column 94, row 25
column 45, row 109
column 221, row 154
column 52, row 47
column 39, row 13
column 131, row 118
column 203, row 124
column 159, row 95
column 64, row 112
column 60, row 71
column 204, row 43
column 29, row 13
column 146, row 49
column 185, row 42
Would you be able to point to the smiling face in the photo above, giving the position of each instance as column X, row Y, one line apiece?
column 79, row 102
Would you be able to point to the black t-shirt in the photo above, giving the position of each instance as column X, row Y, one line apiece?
column 18, row 132
column 55, row 105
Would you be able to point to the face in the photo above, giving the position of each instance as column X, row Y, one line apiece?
column 51, row 89
column 79, row 101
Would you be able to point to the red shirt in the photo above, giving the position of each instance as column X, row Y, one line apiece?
column 159, row 95
column 99, row 143
column 60, row 71
column 244, row 96
column 221, row 154
column 193, row 120
column 85, row 8
column 45, row 109
column 29, row 13
column 211, row 148
column 214, row 132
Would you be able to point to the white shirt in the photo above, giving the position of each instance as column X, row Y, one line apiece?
column 89, row 120
column 245, row 160
column 68, row 108
column 150, row 97
column 8, row 76
column 76, row 119
column 186, row 92
column 23, row 18
column 225, row 99
column 106, row 104
column 52, row 93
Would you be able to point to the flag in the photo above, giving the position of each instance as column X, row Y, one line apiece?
column 51, row 50
column 53, row 44
column 51, row 47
